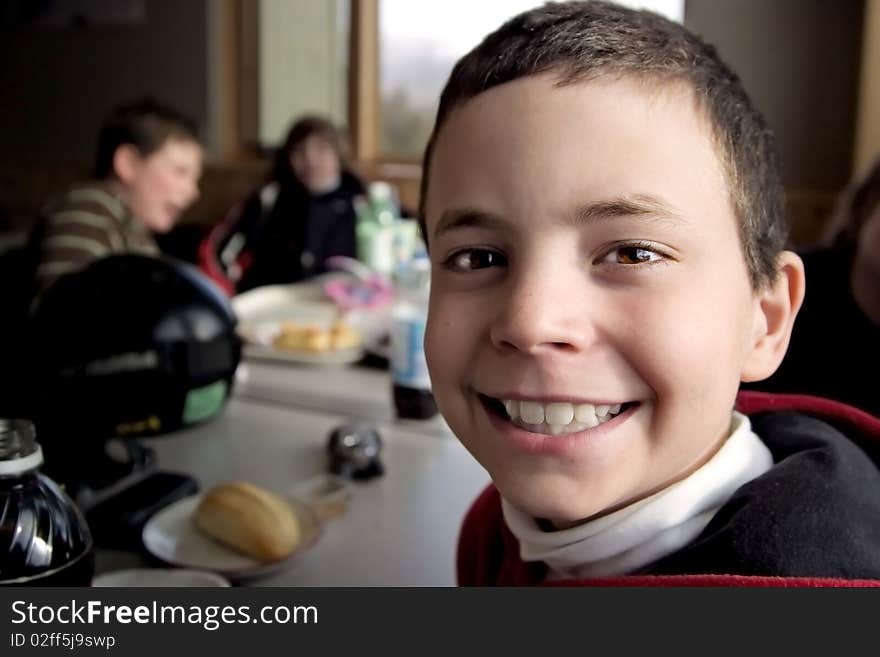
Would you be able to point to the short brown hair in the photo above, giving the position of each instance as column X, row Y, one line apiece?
column 580, row 41
column 146, row 124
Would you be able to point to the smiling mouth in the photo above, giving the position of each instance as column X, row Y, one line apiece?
column 554, row 418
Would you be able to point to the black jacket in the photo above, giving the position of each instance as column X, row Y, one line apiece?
column 816, row 513
column 291, row 238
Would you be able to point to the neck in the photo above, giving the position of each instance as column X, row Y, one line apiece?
column 864, row 281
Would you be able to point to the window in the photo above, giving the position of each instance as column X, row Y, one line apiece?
column 303, row 58
column 419, row 42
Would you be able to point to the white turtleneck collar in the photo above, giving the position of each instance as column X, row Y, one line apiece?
column 647, row 530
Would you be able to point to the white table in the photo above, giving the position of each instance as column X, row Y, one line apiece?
column 347, row 390
column 399, row 530
column 357, row 392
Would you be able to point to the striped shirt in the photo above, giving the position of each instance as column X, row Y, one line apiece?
column 89, row 222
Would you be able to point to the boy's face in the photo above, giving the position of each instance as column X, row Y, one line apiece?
column 315, row 163
column 160, row 186
column 585, row 256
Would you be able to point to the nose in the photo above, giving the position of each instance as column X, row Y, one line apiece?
column 543, row 312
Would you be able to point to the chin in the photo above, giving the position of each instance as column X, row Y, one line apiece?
column 562, row 505
column 162, row 225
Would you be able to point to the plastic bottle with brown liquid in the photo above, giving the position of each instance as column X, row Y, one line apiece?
column 409, row 372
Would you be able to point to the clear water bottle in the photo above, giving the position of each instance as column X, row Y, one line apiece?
column 377, row 217
column 44, row 539
column 409, row 372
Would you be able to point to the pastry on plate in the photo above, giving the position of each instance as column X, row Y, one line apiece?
column 250, row 520
column 295, row 336
column 343, row 336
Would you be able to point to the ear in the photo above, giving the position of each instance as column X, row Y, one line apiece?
column 778, row 304
column 126, row 160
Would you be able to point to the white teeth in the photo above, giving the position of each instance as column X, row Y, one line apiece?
column 531, row 412
column 561, row 413
column 585, row 413
column 557, row 418
column 591, row 421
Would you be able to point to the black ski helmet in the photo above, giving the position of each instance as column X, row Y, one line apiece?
column 131, row 346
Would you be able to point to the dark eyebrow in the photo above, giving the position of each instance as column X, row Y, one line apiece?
column 637, row 205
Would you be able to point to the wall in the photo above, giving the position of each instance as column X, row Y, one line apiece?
column 799, row 60
column 868, row 129
column 58, row 83
column 206, row 57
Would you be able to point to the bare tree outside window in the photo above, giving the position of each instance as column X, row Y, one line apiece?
column 419, row 44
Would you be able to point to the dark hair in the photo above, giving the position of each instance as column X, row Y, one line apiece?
column 855, row 205
column 580, row 41
column 146, row 125
column 301, row 130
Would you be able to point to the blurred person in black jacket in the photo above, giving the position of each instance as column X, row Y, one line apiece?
column 836, row 340
column 284, row 231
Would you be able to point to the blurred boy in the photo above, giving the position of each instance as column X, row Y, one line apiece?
column 605, row 220
column 147, row 169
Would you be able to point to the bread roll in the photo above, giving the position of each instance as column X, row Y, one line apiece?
column 250, row 520
column 294, row 336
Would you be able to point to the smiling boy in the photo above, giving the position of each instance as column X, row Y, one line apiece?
column 605, row 220
column 147, row 169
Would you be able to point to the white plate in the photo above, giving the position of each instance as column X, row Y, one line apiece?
column 171, row 536
column 274, row 301
column 159, row 577
column 261, row 309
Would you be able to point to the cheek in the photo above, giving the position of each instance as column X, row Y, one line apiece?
column 170, row 182
column 687, row 347
column 154, row 185
column 328, row 163
column 141, row 193
column 439, row 344
column 450, row 338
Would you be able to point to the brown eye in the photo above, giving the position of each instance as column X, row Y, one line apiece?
column 473, row 259
column 634, row 255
